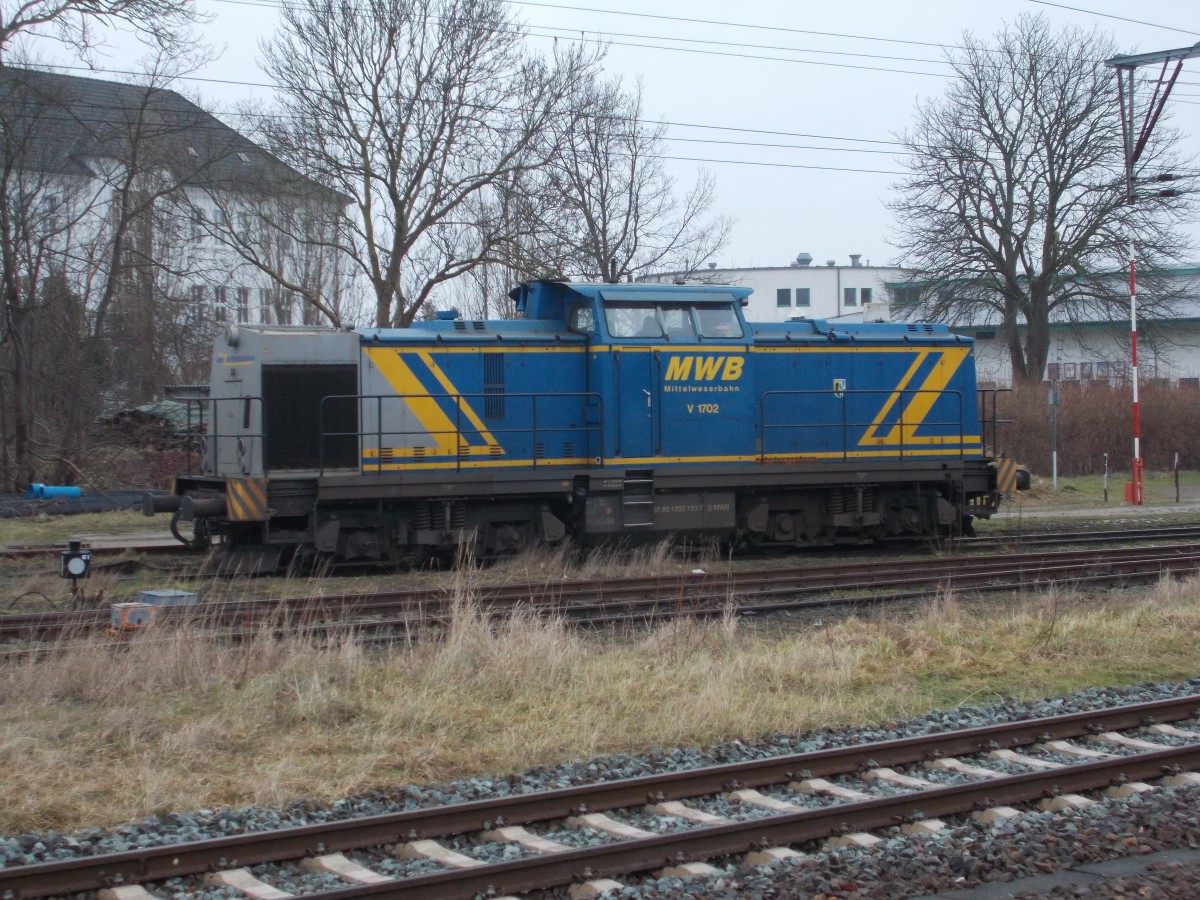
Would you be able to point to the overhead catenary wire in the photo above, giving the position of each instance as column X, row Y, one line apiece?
column 1104, row 15
column 901, row 147
column 899, row 152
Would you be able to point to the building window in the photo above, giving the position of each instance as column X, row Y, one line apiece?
column 243, row 300
column 985, row 335
column 803, row 297
column 906, row 296
column 1068, row 371
column 783, row 297
column 49, row 209
column 285, row 309
column 1085, row 371
column 198, row 292
column 865, row 296
column 219, row 299
column 265, row 306
column 1053, row 372
column 197, row 225
column 850, row 296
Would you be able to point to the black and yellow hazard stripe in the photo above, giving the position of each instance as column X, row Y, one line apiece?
column 1006, row 475
column 246, row 499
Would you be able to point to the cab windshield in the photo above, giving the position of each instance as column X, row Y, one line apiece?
column 628, row 320
column 718, row 321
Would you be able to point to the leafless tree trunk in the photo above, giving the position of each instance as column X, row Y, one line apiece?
column 40, row 208
column 414, row 110
column 608, row 208
column 86, row 253
column 1015, row 213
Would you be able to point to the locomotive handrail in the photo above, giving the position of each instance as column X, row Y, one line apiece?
column 845, row 425
column 197, row 429
column 460, row 450
column 212, row 437
column 989, row 396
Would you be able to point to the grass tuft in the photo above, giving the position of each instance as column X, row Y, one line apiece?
column 95, row 733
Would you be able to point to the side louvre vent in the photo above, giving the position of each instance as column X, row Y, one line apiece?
column 493, row 385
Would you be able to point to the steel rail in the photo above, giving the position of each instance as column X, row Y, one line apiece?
column 597, row 601
column 164, row 545
column 640, row 854
column 174, row 860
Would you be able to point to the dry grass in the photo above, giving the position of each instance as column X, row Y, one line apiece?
column 94, row 734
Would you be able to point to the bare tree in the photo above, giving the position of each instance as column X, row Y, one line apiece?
column 1015, row 211
column 607, row 207
column 414, row 109
column 74, row 22
column 91, row 179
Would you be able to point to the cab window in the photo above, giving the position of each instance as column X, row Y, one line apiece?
column 718, row 321
column 626, row 320
column 582, row 320
column 678, row 322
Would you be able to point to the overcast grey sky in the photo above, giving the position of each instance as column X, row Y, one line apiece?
column 793, row 106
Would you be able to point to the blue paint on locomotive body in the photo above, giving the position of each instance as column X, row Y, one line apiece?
column 662, row 376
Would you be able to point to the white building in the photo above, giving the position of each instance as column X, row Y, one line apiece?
column 848, row 293
column 1095, row 345
column 140, row 186
column 1088, row 348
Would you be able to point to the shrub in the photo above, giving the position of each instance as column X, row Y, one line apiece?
column 1095, row 418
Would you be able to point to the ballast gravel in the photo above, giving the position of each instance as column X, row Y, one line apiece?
column 965, row 855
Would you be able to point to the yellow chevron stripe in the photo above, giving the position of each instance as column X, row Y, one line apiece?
column 448, row 387
column 869, row 437
column 246, row 499
column 427, row 411
column 913, row 415
column 1006, row 475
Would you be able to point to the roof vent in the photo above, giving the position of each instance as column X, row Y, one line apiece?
column 830, row 262
column 447, row 315
column 856, row 259
column 712, row 265
column 804, row 259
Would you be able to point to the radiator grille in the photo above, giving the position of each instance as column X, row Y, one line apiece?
column 301, row 432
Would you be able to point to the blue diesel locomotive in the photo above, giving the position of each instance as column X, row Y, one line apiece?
column 608, row 410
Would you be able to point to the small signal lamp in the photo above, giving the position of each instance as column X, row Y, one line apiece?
column 75, row 562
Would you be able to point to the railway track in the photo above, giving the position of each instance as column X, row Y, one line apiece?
column 114, row 546
column 766, row 807
column 641, row 600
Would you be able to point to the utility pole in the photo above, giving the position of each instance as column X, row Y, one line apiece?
column 1126, row 67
